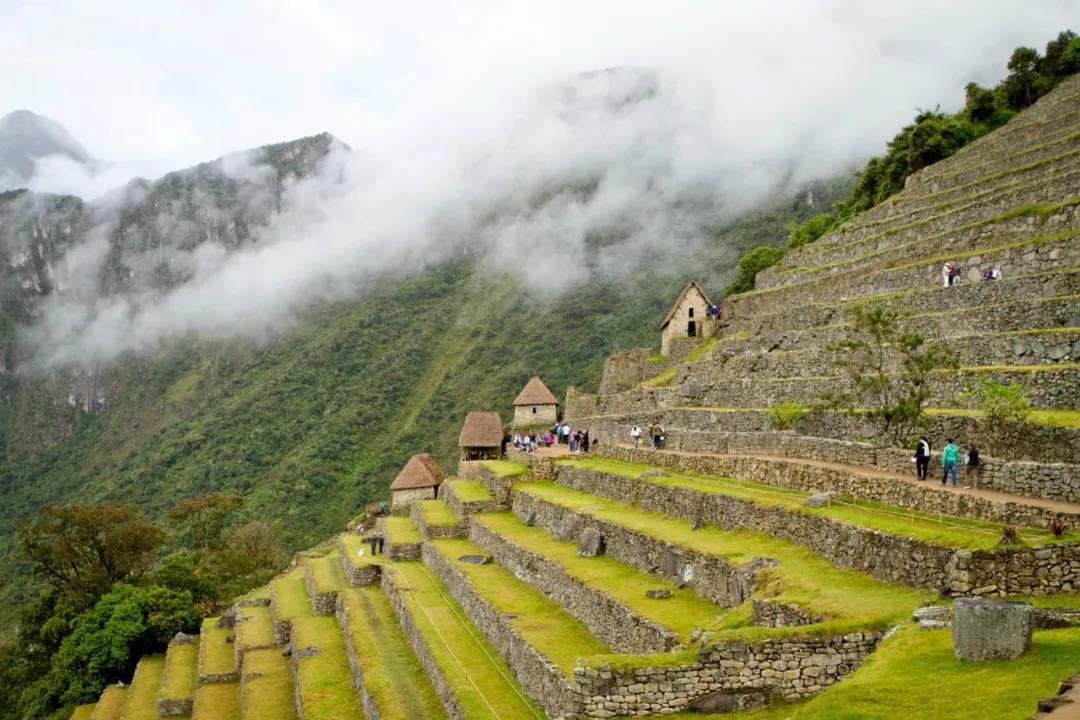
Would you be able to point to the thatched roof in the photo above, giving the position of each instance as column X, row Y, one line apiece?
column 481, row 430
column 679, row 300
column 420, row 472
column 535, row 392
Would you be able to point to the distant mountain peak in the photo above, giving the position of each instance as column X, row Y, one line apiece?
column 25, row 138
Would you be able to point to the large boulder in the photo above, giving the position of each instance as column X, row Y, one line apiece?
column 591, row 543
column 990, row 629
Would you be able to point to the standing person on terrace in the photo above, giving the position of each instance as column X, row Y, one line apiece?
column 922, row 458
column 585, row 441
column 657, row 432
column 635, row 434
column 948, row 461
column 972, row 466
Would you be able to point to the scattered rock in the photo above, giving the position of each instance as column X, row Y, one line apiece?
column 697, row 524
column 230, row 639
column 530, row 518
column 729, row 701
column 475, row 559
column 686, row 577
column 228, row 618
column 591, row 544
column 658, row 593
column 932, row 612
column 182, row 638
column 1054, row 618
column 309, row 651
column 672, row 563
column 287, row 650
column 933, row 625
column 819, row 500
column 653, row 472
column 990, row 629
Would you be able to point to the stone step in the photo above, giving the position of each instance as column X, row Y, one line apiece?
column 467, row 497
column 361, row 567
column 288, row 601
column 254, row 629
column 217, row 655
column 111, row 703
column 217, row 701
column 266, row 687
column 466, row 671
column 386, row 673
column 320, row 669
column 401, row 536
column 612, row 599
column 177, row 690
column 324, row 579
column 435, row 519
column 142, row 696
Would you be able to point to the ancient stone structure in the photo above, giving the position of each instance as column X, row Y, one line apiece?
column 990, row 629
column 535, row 405
column 481, row 436
column 418, row 480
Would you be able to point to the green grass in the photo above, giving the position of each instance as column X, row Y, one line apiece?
column 181, row 670
column 290, row 596
column 437, row 513
column 683, row 612
column 393, row 676
column 657, row 358
column 482, row 684
column 143, row 693
column 354, row 544
column 663, row 379
column 506, row 468
column 111, row 703
column 217, row 701
column 1054, row 418
column 938, row 529
column 216, row 654
column 914, row 675
column 325, row 679
column 83, row 712
column 254, row 627
column 327, row 574
column 802, row 577
column 400, row 530
column 538, row 619
column 469, row 490
column 267, row 691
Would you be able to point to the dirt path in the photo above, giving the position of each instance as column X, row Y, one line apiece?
column 1070, row 707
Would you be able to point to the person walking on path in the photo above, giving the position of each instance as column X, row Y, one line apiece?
column 948, row 461
column 635, row 434
column 972, row 466
column 922, row 458
column 657, row 432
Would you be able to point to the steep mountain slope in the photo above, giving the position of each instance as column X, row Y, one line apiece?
column 25, row 138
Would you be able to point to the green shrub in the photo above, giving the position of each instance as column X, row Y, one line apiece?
column 783, row 416
column 810, row 230
column 751, row 264
column 999, row 402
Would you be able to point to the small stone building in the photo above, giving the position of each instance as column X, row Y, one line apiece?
column 481, row 436
column 535, row 405
column 686, row 319
column 418, row 480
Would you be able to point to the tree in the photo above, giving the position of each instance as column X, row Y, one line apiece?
column 204, row 516
column 82, row 550
column 979, row 103
column 751, row 264
column 260, row 543
column 888, row 369
column 810, row 230
column 1020, row 85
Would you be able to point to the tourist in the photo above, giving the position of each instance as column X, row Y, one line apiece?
column 946, row 274
column 585, row 441
column 954, row 274
column 948, row 461
column 635, row 434
column 1057, row 525
column 972, row 466
column 573, row 441
column 922, row 458
column 656, row 430
column 988, row 274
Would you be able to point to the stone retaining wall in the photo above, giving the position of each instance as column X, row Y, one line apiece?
column 776, row 614
column 499, row 487
column 371, row 710
column 398, row 551
column 323, row 603
column 434, row 532
column 542, row 466
column 606, row 618
column 464, row 509
column 364, row 574
column 546, row 683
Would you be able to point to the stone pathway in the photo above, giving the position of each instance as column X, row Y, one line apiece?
column 1069, row 709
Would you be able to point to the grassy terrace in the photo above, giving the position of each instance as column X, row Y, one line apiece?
column 853, row 598
column 482, row 683
column 256, row 629
column 110, row 704
column 437, row 513
column 290, row 596
column 326, row 573
column 469, row 490
column 325, row 680
column 267, row 691
column 180, row 674
column 506, row 468
column 142, row 694
column 358, row 551
column 392, row 674
column 683, row 612
column 400, row 530
column 217, row 701
column 699, row 351
column 937, row 529
column 539, row 620
column 83, row 712
column 216, row 654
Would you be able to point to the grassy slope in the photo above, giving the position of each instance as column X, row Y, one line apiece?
column 142, row 694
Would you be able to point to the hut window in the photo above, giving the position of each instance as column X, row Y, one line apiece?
column 691, row 329
column 534, row 410
column 691, row 312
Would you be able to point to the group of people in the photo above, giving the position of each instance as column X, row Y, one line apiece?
column 713, row 312
column 656, row 435
column 950, row 456
column 561, row 434
column 950, row 274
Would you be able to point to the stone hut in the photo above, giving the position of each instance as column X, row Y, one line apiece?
column 418, row 480
column 686, row 319
column 481, row 436
column 535, row 405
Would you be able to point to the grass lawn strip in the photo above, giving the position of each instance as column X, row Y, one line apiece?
column 400, row 530
column 938, row 529
column 267, row 691
column 83, row 712
column 506, row 468
column 327, row 574
column 438, row 513
column 143, row 693
column 353, row 545
column 483, row 685
column 541, row 621
column 392, row 674
column 802, row 577
column 181, row 671
column 110, row 704
column 254, row 626
column 216, row 655
column 325, row 678
column 469, row 490
column 217, row 701
column 683, row 612
column 290, row 596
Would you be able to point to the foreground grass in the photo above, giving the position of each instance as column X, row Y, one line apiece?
column 393, row 676
column 438, row 513
column 538, row 619
column 506, row 468
column 400, row 530
column 681, row 613
column 1055, row 418
column 852, row 598
column 358, row 551
column 938, row 529
column 482, row 683
column 181, row 671
column 267, row 691
column 216, row 654
column 324, row 680
column 327, row 574
column 142, row 696
column 254, row 626
column 469, row 490
column 217, row 701
column 83, row 712
column 111, row 703
column 290, row 596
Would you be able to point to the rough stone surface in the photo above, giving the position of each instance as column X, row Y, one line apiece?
column 932, row 612
column 591, row 544
column 475, row 559
column 658, row 593
column 819, row 499
column 990, row 629
column 727, row 702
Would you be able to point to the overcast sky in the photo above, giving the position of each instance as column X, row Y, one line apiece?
column 158, row 85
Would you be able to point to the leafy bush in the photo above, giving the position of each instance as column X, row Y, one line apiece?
column 783, row 416
column 810, row 230
column 751, row 264
column 999, row 402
